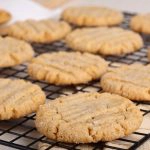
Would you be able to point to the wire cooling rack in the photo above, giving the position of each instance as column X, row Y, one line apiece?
column 21, row 133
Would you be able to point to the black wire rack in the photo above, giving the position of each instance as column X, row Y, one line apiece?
column 21, row 133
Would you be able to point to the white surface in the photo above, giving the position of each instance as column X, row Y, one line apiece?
column 25, row 9
column 2, row 147
column 28, row 9
column 141, row 6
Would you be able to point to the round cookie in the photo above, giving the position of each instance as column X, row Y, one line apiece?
column 141, row 23
column 65, row 68
column 14, row 51
column 19, row 98
column 92, row 16
column 43, row 31
column 131, row 81
column 4, row 16
column 88, row 117
column 104, row 40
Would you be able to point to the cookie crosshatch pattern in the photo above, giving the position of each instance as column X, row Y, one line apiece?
column 21, row 133
column 104, row 40
column 90, row 118
column 69, row 65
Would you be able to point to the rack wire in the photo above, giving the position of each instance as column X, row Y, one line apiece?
column 21, row 133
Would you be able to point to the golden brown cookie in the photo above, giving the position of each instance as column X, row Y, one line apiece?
column 130, row 81
column 92, row 16
column 141, row 23
column 14, row 51
column 88, row 117
column 43, row 31
column 64, row 68
column 104, row 40
column 19, row 98
column 4, row 16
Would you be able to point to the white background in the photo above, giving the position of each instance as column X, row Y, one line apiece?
column 25, row 9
